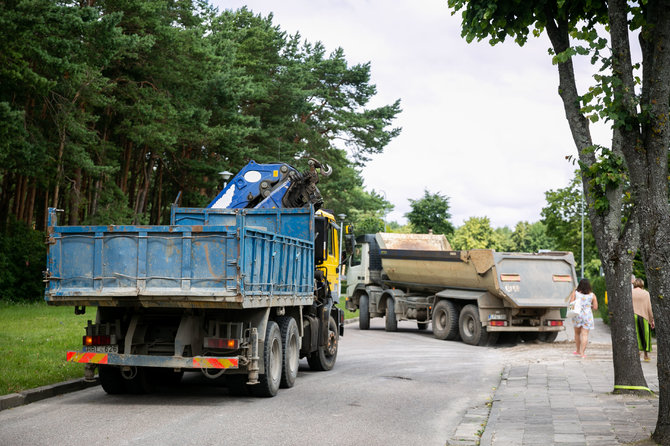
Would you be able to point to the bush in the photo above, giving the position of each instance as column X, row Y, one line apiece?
column 22, row 260
column 599, row 288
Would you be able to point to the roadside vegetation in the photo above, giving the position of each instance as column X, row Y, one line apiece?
column 33, row 341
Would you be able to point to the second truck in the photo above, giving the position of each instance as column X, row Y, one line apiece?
column 469, row 295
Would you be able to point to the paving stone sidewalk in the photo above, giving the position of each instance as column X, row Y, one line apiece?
column 564, row 401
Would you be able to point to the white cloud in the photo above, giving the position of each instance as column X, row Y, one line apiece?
column 483, row 125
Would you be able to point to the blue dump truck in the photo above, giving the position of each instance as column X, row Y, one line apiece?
column 240, row 290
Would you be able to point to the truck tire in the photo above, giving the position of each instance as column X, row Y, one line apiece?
column 237, row 384
column 324, row 358
column 268, row 382
column 548, row 336
column 445, row 321
column 471, row 330
column 166, row 376
column 138, row 381
column 290, row 339
column 364, row 312
column 391, row 321
column 529, row 336
column 111, row 380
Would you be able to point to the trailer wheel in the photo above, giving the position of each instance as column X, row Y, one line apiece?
column 268, row 382
column 391, row 321
column 290, row 339
column 324, row 358
column 111, row 380
column 445, row 321
column 364, row 312
column 548, row 336
column 471, row 329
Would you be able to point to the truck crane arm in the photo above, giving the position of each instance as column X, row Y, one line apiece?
column 276, row 185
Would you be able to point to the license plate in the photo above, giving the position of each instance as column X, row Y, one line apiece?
column 101, row 348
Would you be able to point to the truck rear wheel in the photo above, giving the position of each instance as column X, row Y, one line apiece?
column 391, row 321
column 237, row 385
column 111, row 380
column 268, row 382
column 364, row 312
column 445, row 321
column 324, row 358
column 548, row 336
column 290, row 339
column 137, row 380
column 471, row 330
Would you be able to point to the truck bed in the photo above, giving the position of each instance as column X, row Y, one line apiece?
column 524, row 280
column 220, row 259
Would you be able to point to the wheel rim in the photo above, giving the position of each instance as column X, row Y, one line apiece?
column 469, row 326
column 441, row 320
column 292, row 355
column 275, row 361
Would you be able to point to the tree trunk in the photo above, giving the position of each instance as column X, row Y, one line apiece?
column 18, row 196
column 646, row 154
column 615, row 242
column 75, row 198
column 59, row 168
column 30, row 208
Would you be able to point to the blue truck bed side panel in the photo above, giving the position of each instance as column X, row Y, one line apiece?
column 211, row 257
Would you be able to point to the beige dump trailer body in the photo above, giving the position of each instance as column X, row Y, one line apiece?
column 472, row 295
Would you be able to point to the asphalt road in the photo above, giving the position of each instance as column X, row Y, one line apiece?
column 386, row 389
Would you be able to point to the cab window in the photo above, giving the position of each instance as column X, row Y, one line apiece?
column 357, row 255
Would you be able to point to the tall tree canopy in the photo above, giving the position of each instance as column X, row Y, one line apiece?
column 110, row 109
column 636, row 103
column 430, row 213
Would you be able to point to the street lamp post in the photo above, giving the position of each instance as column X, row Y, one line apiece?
column 582, row 262
column 226, row 176
column 339, row 267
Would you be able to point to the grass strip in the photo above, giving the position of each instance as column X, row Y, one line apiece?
column 33, row 340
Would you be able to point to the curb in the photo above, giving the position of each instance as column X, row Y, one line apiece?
column 40, row 393
column 487, row 436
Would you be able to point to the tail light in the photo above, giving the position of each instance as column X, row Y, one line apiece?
column 498, row 323
column 97, row 340
column 232, row 344
column 555, row 323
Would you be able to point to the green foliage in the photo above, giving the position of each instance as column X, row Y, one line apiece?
column 369, row 224
column 496, row 20
column 531, row 237
column 476, row 233
column 599, row 288
column 504, row 241
column 431, row 212
column 109, row 110
column 605, row 175
column 562, row 217
column 22, row 260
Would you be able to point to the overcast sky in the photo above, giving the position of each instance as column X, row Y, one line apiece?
column 482, row 125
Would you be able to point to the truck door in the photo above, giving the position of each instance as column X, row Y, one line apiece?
column 327, row 249
column 357, row 269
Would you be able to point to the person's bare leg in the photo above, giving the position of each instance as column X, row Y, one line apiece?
column 577, row 340
column 584, row 340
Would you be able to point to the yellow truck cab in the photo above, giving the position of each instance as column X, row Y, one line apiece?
column 327, row 249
